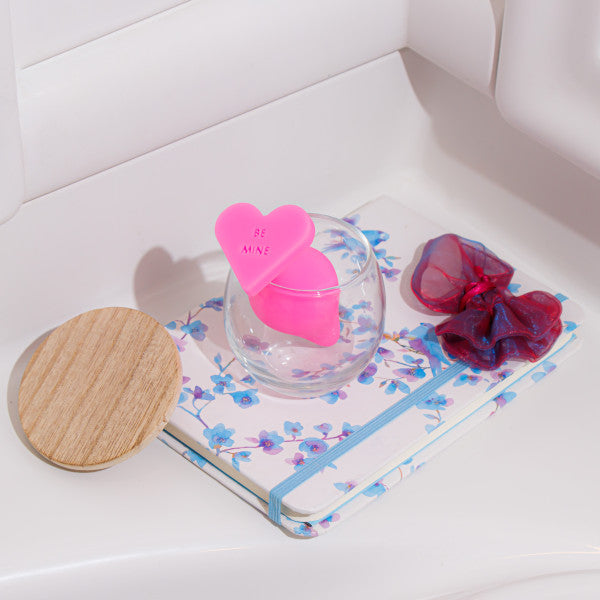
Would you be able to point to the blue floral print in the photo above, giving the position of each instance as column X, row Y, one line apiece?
column 245, row 398
column 345, row 486
column 333, row 397
column 222, row 383
column 323, row 428
column 376, row 489
column 269, row 441
column 219, row 436
column 366, row 377
column 464, row 378
column 293, row 429
column 243, row 455
column 197, row 330
column 313, row 446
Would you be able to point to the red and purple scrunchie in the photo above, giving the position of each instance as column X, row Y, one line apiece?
column 490, row 325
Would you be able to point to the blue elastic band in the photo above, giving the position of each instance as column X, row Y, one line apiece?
column 307, row 471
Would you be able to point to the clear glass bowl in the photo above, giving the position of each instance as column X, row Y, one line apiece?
column 292, row 365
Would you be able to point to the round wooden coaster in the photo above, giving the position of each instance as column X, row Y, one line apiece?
column 99, row 388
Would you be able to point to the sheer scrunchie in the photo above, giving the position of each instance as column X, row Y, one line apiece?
column 490, row 325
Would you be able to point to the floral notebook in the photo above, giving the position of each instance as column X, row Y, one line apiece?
column 310, row 463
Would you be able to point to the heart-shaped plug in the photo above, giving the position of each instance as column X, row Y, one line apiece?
column 258, row 246
column 303, row 299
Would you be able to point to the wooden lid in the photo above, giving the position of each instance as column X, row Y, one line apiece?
column 99, row 388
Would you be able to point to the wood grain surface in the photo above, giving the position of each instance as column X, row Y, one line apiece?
column 99, row 388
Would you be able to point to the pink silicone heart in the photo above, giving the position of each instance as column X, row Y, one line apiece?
column 258, row 247
column 303, row 299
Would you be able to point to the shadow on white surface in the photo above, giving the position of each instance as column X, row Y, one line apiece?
column 469, row 129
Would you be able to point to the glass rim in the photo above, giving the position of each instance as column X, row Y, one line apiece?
column 363, row 268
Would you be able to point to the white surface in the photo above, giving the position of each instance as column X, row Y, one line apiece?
column 549, row 75
column 45, row 29
column 11, row 160
column 184, row 70
column 101, row 83
column 524, row 505
column 461, row 36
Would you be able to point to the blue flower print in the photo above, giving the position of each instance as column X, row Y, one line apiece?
column 435, row 402
column 383, row 354
column 346, row 314
column 222, row 383
column 498, row 376
column 570, row 325
column 215, row 304
column 171, row 325
column 363, row 305
column 350, row 358
column 504, row 398
column 252, row 343
column 293, row 429
column 345, row 486
column 413, row 372
column 199, row 393
column 327, row 521
column 366, row 376
column 376, row 489
column 548, row 367
column 298, row 461
column 237, row 456
column 342, row 241
column 197, row 330
column 245, row 398
column 366, row 343
column 396, row 384
column 323, row 428
column 431, row 426
column 195, row 458
column 333, row 397
column 219, row 436
column 313, row 446
column 182, row 398
column 390, row 274
column 270, row 442
column 347, row 429
column 299, row 373
column 464, row 378
column 423, row 340
column 306, row 530
column 365, row 325
column 376, row 237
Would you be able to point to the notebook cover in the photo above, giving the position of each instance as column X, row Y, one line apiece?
column 253, row 440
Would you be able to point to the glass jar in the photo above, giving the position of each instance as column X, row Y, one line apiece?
column 293, row 365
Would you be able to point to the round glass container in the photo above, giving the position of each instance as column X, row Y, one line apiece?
column 292, row 365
